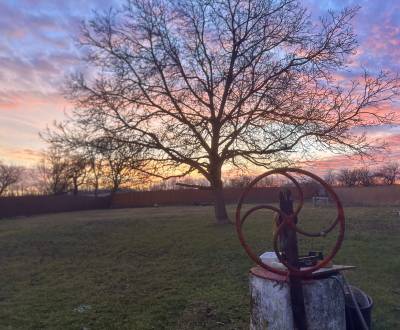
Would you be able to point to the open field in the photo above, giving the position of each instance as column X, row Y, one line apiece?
column 166, row 268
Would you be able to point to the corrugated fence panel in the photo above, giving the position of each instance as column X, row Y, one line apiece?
column 30, row 205
column 195, row 197
column 375, row 195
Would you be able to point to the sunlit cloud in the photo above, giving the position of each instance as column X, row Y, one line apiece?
column 20, row 157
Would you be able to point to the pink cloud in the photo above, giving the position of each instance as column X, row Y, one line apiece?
column 384, row 38
column 29, row 101
column 336, row 162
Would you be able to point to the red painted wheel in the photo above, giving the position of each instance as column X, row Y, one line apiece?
column 288, row 221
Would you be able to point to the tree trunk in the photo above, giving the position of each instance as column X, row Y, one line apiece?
column 75, row 189
column 221, row 215
column 96, row 187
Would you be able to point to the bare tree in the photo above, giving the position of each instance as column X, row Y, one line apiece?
column 28, row 185
column 53, row 172
column 240, row 181
column 330, row 177
column 120, row 164
column 389, row 173
column 347, row 177
column 356, row 177
column 202, row 84
column 364, row 177
column 9, row 175
column 76, row 170
column 96, row 170
column 98, row 160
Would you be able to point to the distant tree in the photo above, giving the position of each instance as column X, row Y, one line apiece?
column 347, row 177
column 202, row 84
column 330, row 177
column 9, row 175
column 28, row 185
column 76, row 170
column 53, row 172
column 98, row 160
column 356, row 177
column 241, row 181
column 96, row 169
column 389, row 173
column 120, row 164
column 364, row 177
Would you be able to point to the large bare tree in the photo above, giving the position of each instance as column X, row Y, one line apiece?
column 205, row 83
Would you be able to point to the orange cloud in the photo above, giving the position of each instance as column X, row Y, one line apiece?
column 23, row 114
column 20, row 156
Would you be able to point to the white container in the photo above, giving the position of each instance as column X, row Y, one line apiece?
column 271, row 260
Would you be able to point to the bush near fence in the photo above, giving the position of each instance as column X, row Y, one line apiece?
column 31, row 205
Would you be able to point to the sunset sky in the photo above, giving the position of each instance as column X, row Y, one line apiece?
column 37, row 52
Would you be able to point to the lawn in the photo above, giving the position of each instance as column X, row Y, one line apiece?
column 167, row 268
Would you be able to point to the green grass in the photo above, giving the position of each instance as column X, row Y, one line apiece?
column 167, row 268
